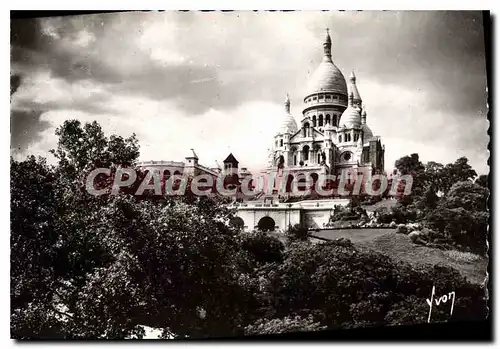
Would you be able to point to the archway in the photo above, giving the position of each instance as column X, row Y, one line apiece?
column 237, row 222
column 266, row 224
column 305, row 153
column 314, row 177
column 289, row 182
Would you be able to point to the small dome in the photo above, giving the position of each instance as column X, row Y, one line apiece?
column 351, row 117
column 289, row 125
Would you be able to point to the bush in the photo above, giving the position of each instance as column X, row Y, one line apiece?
column 297, row 233
column 459, row 256
column 321, row 278
column 285, row 325
column 398, row 213
column 262, row 248
column 347, row 214
column 461, row 217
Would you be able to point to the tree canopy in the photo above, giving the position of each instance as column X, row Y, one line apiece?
column 86, row 266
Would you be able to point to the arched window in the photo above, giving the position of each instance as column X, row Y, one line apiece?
column 314, row 120
column 356, row 136
column 281, row 142
column 306, row 130
column 295, row 160
column 334, row 120
column 320, row 122
column 340, row 139
column 305, row 153
column 327, row 120
column 319, row 158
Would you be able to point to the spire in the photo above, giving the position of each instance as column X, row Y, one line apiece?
column 327, row 46
column 354, row 90
column 352, row 78
column 351, row 99
column 287, row 104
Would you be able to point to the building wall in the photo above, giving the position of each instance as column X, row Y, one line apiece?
column 311, row 214
column 282, row 217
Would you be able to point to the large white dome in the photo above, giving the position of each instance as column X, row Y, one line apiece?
column 327, row 78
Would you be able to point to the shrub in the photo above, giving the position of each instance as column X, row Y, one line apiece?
column 346, row 287
column 262, row 247
column 284, row 325
column 297, row 233
column 460, row 256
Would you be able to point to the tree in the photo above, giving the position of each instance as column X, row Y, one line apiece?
column 459, row 171
column 434, row 175
column 33, row 242
column 411, row 165
column 462, row 216
column 105, row 265
column 482, row 180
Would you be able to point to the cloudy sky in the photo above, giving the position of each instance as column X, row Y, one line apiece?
column 216, row 82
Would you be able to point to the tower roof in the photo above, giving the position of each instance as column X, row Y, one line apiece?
column 367, row 133
column 194, row 155
column 288, row 125
column 353, row 88
column 327, row 77
column 231, row 160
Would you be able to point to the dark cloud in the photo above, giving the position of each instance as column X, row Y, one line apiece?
column 15, row 81
column 439, row 54
column 25, row 128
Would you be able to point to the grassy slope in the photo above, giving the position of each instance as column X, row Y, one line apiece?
column 400, row 248
column 354, row 235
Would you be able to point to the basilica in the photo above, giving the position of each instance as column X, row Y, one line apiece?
column 332, row 135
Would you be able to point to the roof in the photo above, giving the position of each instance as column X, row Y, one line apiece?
column 231, row 159
column 351, row 117
column 194, row 155
column 368, row 134
column 288, row 124
column 327, row 77
column 353, row 88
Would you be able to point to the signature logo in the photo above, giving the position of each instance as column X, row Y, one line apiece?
column 444, row 298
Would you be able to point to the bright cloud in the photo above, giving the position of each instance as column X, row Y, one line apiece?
column 216, row 82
